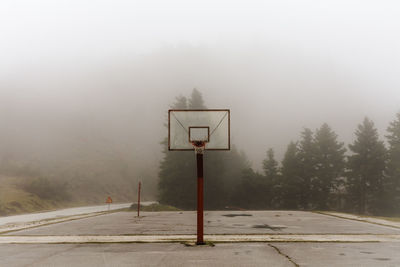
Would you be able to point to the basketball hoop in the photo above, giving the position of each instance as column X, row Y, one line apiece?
column 199, row 146
column 192, row 129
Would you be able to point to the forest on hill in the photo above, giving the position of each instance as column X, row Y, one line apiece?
column 317, row 172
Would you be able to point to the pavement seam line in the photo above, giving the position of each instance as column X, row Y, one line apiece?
column 355, row 219
column 284, row 255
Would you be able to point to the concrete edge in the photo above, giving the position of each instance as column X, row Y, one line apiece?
column 352, row 217
column 50, row 221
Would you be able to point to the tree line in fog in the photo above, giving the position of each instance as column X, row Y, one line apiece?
column 318, row 172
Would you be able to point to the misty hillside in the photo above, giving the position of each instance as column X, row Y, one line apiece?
column 117, row 105
column 85, row 89
column 100, row 130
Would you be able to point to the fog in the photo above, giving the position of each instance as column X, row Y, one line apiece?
column 94, row 79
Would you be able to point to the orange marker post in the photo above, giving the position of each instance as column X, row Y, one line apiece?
column 109, row 201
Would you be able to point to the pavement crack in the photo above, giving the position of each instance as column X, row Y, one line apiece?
column 284, row 255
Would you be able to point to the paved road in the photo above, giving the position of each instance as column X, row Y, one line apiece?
column 17, row 222
column 330, row 241
column 26, row 218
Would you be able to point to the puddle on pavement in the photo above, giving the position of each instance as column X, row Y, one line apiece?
column 266, row 226
column 382, row 259
column 236, row 215
column 366, row 252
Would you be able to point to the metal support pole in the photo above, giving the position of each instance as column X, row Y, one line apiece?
column 200, row 200
column 138, row 206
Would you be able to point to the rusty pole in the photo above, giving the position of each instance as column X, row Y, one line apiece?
column 200, row 199
column 138, row 206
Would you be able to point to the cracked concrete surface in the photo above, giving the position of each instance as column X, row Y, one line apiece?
column 286, row 238
column 236, row 254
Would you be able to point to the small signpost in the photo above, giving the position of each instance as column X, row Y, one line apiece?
column 199, row 130
column 138, row 201
column 109, row 201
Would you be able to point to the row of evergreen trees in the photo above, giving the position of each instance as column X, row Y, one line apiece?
column 317, row 172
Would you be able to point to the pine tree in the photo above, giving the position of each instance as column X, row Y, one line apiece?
column 270, row 166
column 329, row 166
column 366, row 169
column 177, row 183
column 250, row 192
column 291, row 181
column 306, row 156
column 196, row 100
column 234, row 162
column 393, row 169
column 272, row 180
column 177, row 177
column 181, row 102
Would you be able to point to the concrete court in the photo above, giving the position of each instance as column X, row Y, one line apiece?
column 215, row 222
column 222, row 254
column 238, row 254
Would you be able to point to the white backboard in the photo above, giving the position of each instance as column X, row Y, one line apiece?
column 209, row 125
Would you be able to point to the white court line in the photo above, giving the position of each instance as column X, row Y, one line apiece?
column 192, row 238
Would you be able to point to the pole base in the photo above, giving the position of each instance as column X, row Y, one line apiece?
column 200, row 243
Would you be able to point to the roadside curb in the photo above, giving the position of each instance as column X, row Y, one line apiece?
column 352, row 217
column 12, row 227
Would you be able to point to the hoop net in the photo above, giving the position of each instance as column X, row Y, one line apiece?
column 199, row 147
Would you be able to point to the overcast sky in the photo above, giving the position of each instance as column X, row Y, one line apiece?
column 279, row 65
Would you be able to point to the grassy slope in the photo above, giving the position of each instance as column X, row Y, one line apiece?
column 14, row 200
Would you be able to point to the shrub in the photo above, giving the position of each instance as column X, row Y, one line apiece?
column 48, row 189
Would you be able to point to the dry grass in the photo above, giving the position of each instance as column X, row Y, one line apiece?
column 154, row 207
column 14, row 200
column 393, row 219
